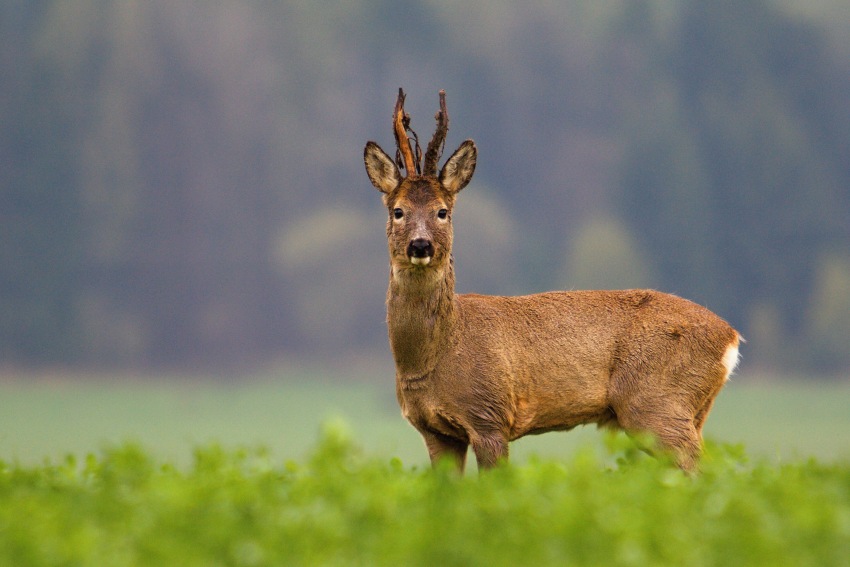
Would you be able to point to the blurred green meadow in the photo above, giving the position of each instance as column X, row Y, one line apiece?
column 45, row 416
column 124, row 506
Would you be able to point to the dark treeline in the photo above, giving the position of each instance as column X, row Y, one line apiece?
column 182, row 183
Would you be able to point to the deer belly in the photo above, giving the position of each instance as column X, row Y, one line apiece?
column 558, row 409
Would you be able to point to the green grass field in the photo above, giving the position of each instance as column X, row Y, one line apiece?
column 44, row 416
column 338, row 506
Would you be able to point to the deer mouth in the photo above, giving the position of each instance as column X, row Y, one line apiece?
column 420, row 260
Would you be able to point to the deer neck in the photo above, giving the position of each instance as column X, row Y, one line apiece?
column 420, row 318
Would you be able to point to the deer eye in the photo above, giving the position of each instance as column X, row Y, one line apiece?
column 442, row 214
column 398, row 213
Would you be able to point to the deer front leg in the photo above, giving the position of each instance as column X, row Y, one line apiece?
column 490, row 450
column 442, row 446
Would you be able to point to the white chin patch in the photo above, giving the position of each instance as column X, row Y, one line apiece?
column 420, row 261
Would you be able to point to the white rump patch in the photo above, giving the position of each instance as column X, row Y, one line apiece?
column 730, row 359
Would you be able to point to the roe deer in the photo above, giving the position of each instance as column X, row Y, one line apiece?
column 484, row 370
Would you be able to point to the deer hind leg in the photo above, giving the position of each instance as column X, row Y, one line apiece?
column 674, row 434
column 685, row 443
column 702, row 413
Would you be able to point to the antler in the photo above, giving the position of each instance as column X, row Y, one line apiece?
column 438, row 142
column 401, row 124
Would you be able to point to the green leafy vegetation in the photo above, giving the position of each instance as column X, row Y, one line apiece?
column 340, row 506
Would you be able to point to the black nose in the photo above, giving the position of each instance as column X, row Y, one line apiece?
column 420, row 248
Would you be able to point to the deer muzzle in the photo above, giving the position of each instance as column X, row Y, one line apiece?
column 420, row 251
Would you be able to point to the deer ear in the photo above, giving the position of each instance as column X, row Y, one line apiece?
column 381, row 169
column 459, row 168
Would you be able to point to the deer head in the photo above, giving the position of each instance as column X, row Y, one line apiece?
column 419, row 228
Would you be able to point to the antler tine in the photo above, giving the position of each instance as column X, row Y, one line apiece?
column 438, row 142
column 401, row 123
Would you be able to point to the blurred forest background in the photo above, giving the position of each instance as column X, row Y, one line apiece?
column 181, row 183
